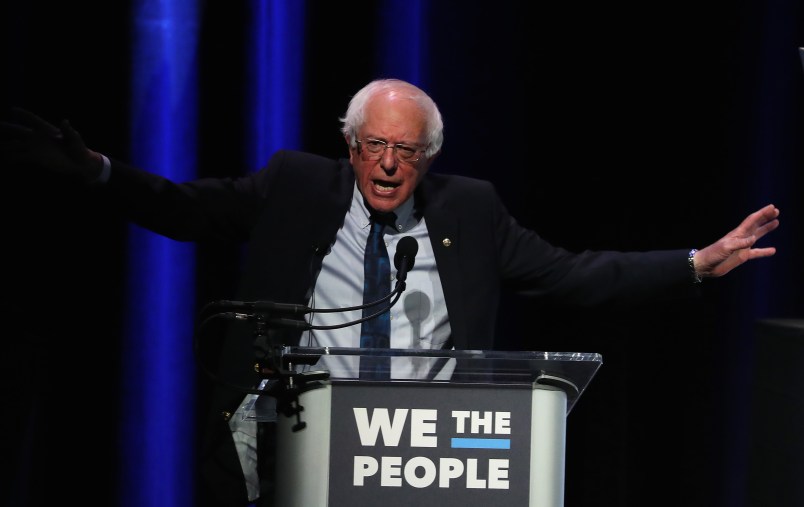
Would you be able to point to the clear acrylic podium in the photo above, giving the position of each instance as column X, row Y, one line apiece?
column 450, row 428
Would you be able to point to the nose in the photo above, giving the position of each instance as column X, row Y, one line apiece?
column 388, row 161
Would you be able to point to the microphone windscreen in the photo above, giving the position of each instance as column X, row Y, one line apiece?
column 407, row 247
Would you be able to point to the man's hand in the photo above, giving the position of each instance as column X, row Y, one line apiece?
column 31, row 142
column 735, row 248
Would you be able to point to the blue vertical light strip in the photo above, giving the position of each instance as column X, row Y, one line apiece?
column 405, row 53
column 158, row 394
column 275, row 78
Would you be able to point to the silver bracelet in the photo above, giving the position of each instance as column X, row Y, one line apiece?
column 696, row 278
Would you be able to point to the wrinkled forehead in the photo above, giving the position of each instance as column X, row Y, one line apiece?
column 397, row 116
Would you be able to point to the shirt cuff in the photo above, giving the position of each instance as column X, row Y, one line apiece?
column 106, row 172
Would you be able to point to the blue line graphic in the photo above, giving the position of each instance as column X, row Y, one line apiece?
column 481, row 443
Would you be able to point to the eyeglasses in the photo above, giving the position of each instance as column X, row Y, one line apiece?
column 374, row 149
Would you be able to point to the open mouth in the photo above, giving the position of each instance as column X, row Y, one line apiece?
column 384, row 186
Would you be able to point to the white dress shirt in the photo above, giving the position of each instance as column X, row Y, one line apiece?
column 419, row 318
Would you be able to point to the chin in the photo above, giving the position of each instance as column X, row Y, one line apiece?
column 382, row 203
column 384, row 206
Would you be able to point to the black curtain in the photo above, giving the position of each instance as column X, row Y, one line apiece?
column 631, row 126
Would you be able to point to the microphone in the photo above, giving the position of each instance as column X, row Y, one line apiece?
column 268, row 307
column 288, row 315
column 405, row 257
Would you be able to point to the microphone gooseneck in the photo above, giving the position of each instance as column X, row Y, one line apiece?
column 289, row 315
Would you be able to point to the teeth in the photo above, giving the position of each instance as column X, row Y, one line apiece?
column 382, row 186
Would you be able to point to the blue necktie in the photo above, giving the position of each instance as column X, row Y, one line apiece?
column 376, row 332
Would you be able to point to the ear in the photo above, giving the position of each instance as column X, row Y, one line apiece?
column 352, row 151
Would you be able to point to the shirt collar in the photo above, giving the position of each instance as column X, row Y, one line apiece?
column 405, row 212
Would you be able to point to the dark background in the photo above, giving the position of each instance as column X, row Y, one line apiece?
column 632, row 126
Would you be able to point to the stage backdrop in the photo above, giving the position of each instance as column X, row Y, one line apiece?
column 630, row 126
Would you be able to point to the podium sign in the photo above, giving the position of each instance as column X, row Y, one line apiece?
column 491, row 434
column 464, row 444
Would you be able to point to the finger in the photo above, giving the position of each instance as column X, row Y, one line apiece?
column 742, row 248
column 765, row 214
column 756, row 253
column 742, row 256
column 15, row 138
column 766, row 228
column 73, row 142
column 13, row 130
column 732, row 244
column 758, row 219
column 759, row 229
column 34, row 122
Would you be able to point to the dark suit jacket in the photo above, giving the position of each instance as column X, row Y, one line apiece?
column 290, row 211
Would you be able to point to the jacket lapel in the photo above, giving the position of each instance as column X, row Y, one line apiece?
column 442, row 226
